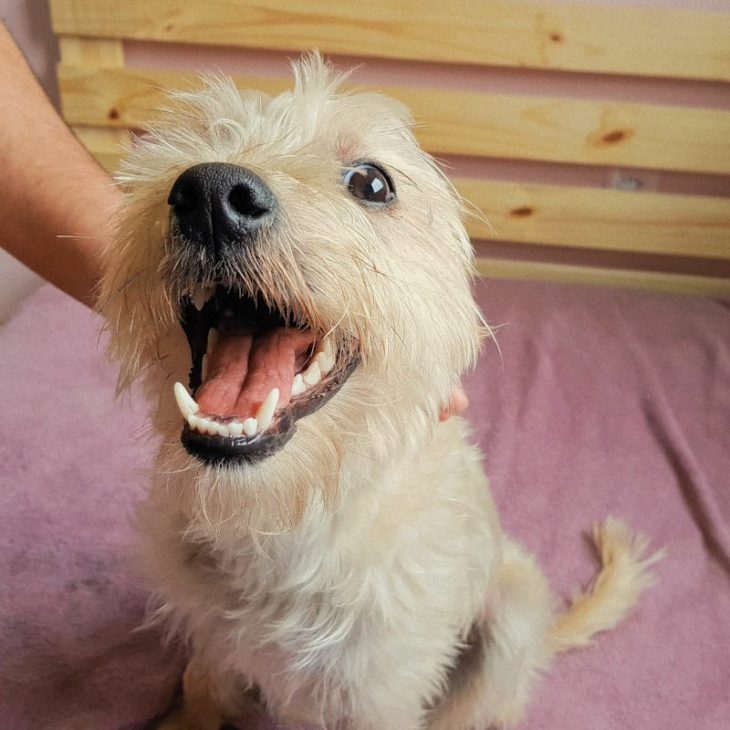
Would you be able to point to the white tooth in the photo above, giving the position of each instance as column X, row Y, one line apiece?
column 312, row 374
column 235, row 428
column 224, row 429
column 325, row 361
column 297, row 386
column 211, row 427
column 201, row 294
column 185, row 402
column 193, row 422
column 200, row 424
column 250, row 426
column 265, row 413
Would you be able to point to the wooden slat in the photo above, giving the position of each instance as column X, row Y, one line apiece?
column 94, row 52
column 626, row 278
column 106, row 145
column 461, row 123
column 561, row 215
column 606, row 38
column 558, row 215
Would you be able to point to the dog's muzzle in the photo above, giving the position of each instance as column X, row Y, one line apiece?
column 255, row 369
column 217, row 204
column 254, row 373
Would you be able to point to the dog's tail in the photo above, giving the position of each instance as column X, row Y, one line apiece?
column 623, row 576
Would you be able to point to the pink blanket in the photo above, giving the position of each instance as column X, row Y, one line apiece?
column 602, row 402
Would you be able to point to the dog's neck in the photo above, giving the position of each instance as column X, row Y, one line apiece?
column 297, row 512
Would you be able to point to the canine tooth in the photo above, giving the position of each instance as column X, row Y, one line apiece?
column 298, row 386
column 326, row 362
column 250, row 426
column 235, row 429
column 265, row 413
column 185, row 402
column 312, row 374
column 198, row 299
column 201, row 294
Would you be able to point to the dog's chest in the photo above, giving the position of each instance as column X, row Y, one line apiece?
column 316, row 600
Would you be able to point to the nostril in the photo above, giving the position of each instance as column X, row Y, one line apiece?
column 243, row 200
column 215, row 203
column 183, row 198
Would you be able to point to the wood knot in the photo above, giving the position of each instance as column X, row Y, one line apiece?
column 524, row 212
column 113, row 113
column 618, row 135
column 556, row 37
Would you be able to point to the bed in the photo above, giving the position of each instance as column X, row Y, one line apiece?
column 611, row 399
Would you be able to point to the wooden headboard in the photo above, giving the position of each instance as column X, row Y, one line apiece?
column 547, row 228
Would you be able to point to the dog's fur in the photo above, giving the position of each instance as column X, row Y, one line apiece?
column 358, row 578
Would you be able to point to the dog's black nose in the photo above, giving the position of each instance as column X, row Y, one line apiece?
column 217, row 203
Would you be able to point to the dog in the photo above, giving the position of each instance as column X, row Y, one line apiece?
column 292, row 282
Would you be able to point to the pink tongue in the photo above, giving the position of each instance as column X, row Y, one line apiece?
column 243, row 369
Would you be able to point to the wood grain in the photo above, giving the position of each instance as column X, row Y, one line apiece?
column 105, row 145
column 92, row 52
column 597, row 218
column 593, row 275
column 611, row 38
column 459, row 123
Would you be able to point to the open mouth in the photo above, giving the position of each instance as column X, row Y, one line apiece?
column 255, row 372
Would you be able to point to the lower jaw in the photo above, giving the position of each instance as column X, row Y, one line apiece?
column 223, row 451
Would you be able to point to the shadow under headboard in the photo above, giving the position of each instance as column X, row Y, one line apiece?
column 594, row 137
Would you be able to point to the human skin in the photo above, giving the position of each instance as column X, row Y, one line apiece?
column 56, row 203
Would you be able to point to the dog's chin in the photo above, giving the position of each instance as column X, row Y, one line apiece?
column 255, row 372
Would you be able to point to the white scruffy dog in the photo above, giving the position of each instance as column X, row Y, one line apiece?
column 322, row 540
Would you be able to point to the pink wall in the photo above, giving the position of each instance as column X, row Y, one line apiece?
column 30, row 24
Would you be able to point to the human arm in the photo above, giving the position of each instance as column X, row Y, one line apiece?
column 55, row 201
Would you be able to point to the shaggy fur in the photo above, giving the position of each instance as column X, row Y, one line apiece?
column 358, row 578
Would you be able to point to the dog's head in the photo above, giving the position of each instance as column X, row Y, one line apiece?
column 299, row 266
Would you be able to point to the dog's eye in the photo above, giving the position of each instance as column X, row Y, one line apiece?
column 369, row 183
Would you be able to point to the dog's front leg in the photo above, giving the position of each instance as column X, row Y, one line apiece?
column 198, row 710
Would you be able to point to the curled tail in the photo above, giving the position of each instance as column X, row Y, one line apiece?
column 623, row 576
